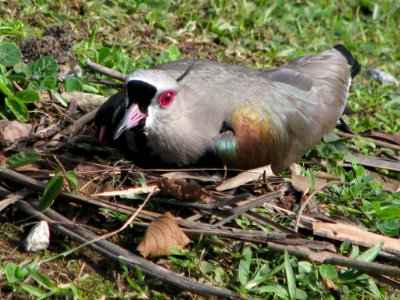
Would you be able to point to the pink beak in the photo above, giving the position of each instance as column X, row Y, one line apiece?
column 131, row 119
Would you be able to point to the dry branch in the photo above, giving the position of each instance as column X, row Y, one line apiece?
column 345, row 232
column 237, row 211
column 114, row 252
column 104, row 70
column 379, row 143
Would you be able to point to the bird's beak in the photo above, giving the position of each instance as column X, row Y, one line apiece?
column 131, row 119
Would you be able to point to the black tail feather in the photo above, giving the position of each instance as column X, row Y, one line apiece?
column 342, row 125
column 355, row 66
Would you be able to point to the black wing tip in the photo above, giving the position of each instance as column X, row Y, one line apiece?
column 355, row 66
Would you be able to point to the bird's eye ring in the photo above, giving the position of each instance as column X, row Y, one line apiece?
column 166, row 98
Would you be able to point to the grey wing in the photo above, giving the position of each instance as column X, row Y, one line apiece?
column 310, row 95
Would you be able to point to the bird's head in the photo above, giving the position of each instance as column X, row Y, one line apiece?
column 150, row 94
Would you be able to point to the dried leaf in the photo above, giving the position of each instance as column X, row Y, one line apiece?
column 288, row 201
column 162, row 236
column 3, row 159
column 187, row 190
column 245, row 177
column 302, row 183
column 295, row 169
column 10, row 131
column 138, row 190
column 86, row 101
column 93, row 179
column 190, row 175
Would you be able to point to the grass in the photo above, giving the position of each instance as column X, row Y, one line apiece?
column 125, row 35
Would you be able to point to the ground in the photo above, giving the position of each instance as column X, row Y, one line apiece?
column 126, row 35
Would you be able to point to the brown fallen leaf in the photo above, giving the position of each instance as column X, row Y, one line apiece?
column 162, row 236
column 216, row 178
column 302, row 183
column 10, row 131
column 3, row 159
column 181, row 189
column 332, row 286
column 93, row 179
column 295, row 169
column 136, row 190
column 86, row 101
column 245, row 177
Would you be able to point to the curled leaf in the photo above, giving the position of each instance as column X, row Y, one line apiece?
column 188, row 190
column 303, row 184
column 162, row 236
column 10, row 131
column 245, row 177
column 86, row 101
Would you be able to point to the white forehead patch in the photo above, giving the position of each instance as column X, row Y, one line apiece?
column 157, row 78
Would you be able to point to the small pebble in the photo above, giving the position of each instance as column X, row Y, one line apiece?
column 38, row 238
column 382, row 76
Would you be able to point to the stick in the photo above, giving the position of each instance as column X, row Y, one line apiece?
column 237, row 211
column 116, row 253
column 104, row 70
column 379, row 143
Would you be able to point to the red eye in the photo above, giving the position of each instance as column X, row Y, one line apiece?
column 166, row 98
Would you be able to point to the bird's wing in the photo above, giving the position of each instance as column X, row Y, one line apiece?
column 302, row 100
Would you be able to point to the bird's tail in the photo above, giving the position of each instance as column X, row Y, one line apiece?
column 355, row 66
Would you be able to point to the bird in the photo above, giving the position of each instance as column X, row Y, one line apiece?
column 185, row 110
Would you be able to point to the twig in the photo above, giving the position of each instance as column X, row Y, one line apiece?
column 305, row 202
column 104, row 70
column 106, row 82
column 12, row 198
column 379, row 143
column 43, row 134
column 240, row 234
column 116, row 253
column 237, row 211
column 104, row 236
column 206, row 206
column 326, row 257
column 299, row 247
column 38, row 186
column 82, row 121
column 356, row 235
column 374, row 162
column 388, row 281
column 264, row 221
